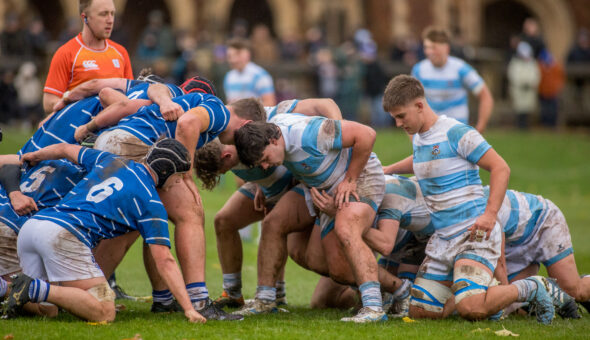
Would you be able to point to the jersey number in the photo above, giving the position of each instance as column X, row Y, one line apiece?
column 101, row 191
column 34, row 181
column 135, row 94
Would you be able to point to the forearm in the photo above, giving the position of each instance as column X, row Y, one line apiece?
column 324, row 107
column 501, row 273
column 49, row 101
column 159, row 94
column 378, row 241
column 10, row 177
column 58, row 151
column 486, row 104
column 499, row 177
column 112, row 114
column 405, row 166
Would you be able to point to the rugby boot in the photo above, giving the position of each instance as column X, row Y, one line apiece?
column 540, row 302
column 227, row 301
column 366, row 315
column 565, row 305
column 281, row 301
column 158, row 307
column 257, row 306
column 119, row 292
column 212, row 312
column 18, row 296
column 400, row 308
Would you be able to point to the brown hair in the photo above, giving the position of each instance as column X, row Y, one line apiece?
column 83, row 5
column 251, row 140
column 249, row 108
column 239, row 44
column 208, row 164
column 436, row 34
column 401, row 90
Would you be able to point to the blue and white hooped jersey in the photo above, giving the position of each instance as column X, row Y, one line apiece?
column 274, row 180
column 46, row 183
column 520, row 215
column 116, row 196
column 137, row 89
column 313, row 149
column 252, row 81
column 445, row 163
column 148, row 125
column 403, row 202
column 446, row 87
column 61, row 126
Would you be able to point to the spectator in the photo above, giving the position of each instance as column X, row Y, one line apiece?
column 523, row 78
column 8, row 97
column 13, row 40
column 291, row 48
column 37, row 38
column 327, row 74
column 531, row 34
column 351, row 76
column 580, row 54
column 148, row 50
column 156, row 28
column 447, row 79
column 246, row 79
column 552, row 82
column 30, row 92
column 264, row 47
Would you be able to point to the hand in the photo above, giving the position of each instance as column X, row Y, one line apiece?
column 194, row 316
column 259, row 200
column 343, row 191
column 324, row 201
column 81, row 133
column 171, row 111
column 59, row 105
column 482, row 226
column 32, row 158
column 386, row 170
column 22, row 203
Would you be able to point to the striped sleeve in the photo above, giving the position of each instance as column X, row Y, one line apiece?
column 470, row 78
column 218, row 114
column 153, row 226
column 263, row 84
column 467, row 142
column 89, row 158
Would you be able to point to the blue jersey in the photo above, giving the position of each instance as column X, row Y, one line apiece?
column 403, row 202
column 446, row 87
column 61, row 126
column 313, row 149
column 137, row 89
column 445, row 163
column 116, row 196
column 148, row 124
column 520, row 215
column 274, row 180
column 46, row 183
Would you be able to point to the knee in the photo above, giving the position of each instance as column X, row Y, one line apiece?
column 343, row 233
column 471, row 311
column 108, row 312
column 222, row 223
column 272, row 224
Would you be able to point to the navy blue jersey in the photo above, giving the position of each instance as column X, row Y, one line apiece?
column 148, row 124
column 137, row 89
column 47, row 183
column 116, row 196
column 61, row 126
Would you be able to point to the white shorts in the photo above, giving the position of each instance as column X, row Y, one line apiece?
column 550, row 243
column 8, row 257
column 121, row 143
column 49, row 252
column 441, row 254
column 370, row 187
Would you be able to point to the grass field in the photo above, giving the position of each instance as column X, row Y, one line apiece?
column 556, row 166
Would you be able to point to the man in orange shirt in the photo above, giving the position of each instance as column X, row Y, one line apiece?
column 89, row 55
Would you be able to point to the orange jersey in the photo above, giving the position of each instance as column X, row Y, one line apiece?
column 75, row 63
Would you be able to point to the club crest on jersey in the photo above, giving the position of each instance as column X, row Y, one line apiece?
column 116, row 63
column 435, row 150
column 89, row 65
column 306, row 167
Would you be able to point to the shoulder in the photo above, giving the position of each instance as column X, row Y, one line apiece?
column 69, row 48
column 118, row 47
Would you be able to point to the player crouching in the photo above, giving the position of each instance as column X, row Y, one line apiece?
column 116, row 197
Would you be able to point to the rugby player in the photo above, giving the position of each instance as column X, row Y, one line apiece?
column 117, row 196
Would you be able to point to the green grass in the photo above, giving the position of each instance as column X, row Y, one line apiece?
column 556, row 166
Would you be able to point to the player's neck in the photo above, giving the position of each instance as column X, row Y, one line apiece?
column 91, row 41
column 430, row 119
column 235, row 122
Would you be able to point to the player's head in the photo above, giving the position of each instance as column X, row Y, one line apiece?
column 238, row 53
column 167, row 157
column 148, row 76
column 198, row 84
column 249, row 109
column 213, row 160
column 98, row 17
column 260, row 144
column 436, row 45
column 404, row 100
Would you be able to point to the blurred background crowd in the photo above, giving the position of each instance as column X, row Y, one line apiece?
column 533, row 64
